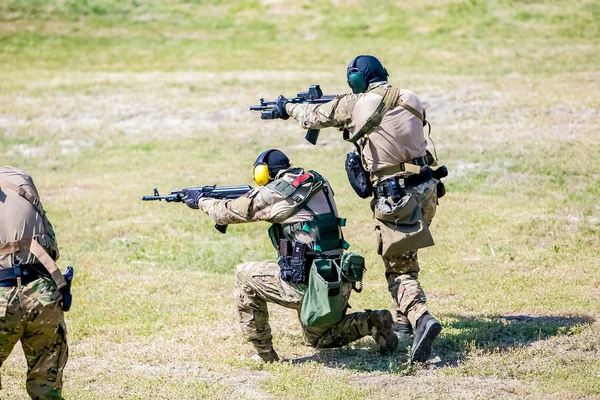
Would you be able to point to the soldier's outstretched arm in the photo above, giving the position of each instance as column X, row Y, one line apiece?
column 255, row 205
column 336, row 113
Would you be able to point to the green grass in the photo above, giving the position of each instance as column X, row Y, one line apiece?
column 102, row 101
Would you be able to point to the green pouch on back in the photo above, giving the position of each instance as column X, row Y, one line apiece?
column 323, row 303
column 353, row 267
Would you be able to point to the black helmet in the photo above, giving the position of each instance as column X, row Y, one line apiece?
column 364, row 70
column 268, row 164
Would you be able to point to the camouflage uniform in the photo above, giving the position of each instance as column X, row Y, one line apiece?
column 397, row 139
column 257, row 283
column 30, row 312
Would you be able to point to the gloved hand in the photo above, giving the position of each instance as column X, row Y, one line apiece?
column 279, row 108
column 190, row 197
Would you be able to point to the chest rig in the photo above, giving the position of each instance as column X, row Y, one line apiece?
column 294, row 257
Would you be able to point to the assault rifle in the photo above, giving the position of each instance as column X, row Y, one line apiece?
column 214, row 192
column 314, row 95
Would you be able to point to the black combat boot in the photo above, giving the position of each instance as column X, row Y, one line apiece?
column 428, row 328
column 380, row 323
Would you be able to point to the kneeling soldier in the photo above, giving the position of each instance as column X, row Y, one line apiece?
column 313, row 275
column 31, row 286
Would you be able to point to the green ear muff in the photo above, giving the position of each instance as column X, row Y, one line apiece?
column 357, row 82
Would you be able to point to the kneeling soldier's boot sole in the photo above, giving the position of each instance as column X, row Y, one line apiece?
column 422, row 345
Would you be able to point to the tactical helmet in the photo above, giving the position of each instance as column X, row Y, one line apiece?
column 363, row 70
column 268, row 164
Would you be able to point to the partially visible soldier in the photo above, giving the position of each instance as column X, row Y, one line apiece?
column 305, row 228
column 387, row 124
column 30, row 286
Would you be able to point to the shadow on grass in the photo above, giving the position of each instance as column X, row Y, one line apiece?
column 460, row 337
column 360, row 356
column 464, row 334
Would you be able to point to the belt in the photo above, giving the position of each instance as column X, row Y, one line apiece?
column 413, row 166
column 319, row 256
column 381, row 190
column 8, row 276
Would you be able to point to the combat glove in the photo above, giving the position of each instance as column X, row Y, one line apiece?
column 279, row 108
column 190, row 197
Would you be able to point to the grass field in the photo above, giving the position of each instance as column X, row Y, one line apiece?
column 103, row 100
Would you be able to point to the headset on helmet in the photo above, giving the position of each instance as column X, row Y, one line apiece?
column 373, row 72
column 265, row 168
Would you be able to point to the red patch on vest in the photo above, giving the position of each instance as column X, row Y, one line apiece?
column 301, row 179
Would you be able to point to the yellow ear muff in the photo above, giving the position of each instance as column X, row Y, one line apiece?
column 261, row 174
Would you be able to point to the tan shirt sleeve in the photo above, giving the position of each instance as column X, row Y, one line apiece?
column 255, row 206
column 336, row 113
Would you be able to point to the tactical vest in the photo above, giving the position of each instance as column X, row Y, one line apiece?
column 326, row 226
column 34, row 244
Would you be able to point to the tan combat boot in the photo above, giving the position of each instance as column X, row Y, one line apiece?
column 380, row 322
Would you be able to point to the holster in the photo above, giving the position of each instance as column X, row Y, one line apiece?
column 67, row 297
column 358, row 176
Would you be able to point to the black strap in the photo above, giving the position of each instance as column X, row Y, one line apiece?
column 25, row 280
column 27, row 272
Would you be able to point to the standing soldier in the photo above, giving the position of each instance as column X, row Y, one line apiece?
column 386, row 124
column 31, row 286
column 313, row 275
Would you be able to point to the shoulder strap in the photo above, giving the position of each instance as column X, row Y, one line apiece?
column 389, row 98
column 411, row 110
column 35, row 201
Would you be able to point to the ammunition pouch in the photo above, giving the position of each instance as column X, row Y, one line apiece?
column 353, row 268
column 292, row 261
column 440, row 189
column 438, row 174
column 323, row 304
column 358, row 176
column 399, row 226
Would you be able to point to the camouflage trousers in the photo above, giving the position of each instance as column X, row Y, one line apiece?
column 402, row 272
column 258, row 283
column 33, row 315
